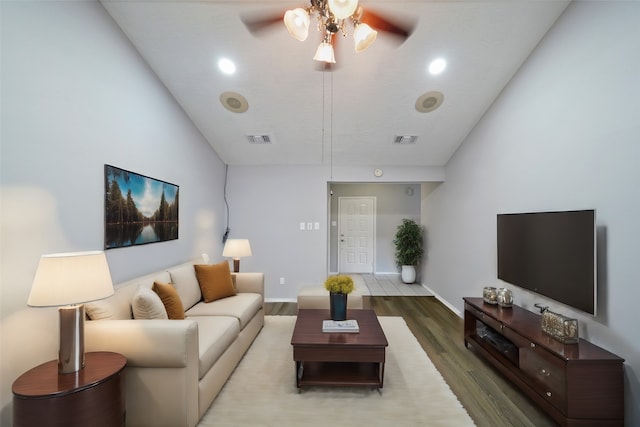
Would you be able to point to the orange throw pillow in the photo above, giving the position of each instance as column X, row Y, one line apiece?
column 170, row 299
column 215, row 281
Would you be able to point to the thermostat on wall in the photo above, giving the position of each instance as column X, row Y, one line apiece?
column 377, row 172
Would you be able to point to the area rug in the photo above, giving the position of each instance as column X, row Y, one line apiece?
column 262, row 390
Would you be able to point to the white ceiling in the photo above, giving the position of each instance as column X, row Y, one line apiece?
column 349, row 116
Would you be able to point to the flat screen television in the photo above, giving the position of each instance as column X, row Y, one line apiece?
column 552, row 254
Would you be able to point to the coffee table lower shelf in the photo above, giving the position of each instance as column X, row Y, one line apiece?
column 346, row 374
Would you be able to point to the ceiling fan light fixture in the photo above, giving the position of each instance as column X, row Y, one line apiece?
column 343, row 9
column 324, row 53
column 363, row 36
column 297, row 23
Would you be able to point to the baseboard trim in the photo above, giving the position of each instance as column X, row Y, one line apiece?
column 444, row 301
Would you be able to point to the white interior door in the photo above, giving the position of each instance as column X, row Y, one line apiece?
column 356, row 234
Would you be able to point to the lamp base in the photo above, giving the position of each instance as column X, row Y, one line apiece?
column 236, row 265
column 71, row 350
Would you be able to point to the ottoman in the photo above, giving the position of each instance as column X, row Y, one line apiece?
column 317, row 297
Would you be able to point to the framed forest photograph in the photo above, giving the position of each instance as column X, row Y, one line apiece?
column 138, row 209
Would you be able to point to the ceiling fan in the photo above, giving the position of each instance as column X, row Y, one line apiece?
column 333, row 17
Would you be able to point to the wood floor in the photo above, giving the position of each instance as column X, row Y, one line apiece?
column 487, row 396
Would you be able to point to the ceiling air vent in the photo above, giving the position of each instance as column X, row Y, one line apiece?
column 405, row 139
column 259, row 139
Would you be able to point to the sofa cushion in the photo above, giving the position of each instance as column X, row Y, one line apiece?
column 215, row 281
column 186, row 283
column 146, row 304
column 242, row 306
column 170, row 299
column 215, row 335
column 116, row 307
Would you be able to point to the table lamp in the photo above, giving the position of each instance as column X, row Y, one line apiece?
column 236, row 249
column 67, row 280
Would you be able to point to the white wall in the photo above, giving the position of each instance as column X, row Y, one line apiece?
column 267, row 204
column 563, row 135
column 76, row 95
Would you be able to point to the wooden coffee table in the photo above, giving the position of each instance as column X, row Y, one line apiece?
column 338, row 359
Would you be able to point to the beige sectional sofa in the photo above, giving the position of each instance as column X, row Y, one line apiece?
column 175, row 368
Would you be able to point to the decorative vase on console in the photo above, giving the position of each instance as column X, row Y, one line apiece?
column 505, row 297
column 339, row 286
column 490, row 295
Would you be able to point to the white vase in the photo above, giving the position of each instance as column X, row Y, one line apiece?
column 408, row 273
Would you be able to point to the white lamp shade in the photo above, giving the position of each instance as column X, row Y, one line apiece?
column 237, row 248
column 343, row 8
column 324, row 53
column 70, row 278
column 363, row 36
column 297, row 23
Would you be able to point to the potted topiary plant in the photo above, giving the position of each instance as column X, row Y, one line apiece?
column 409, row 251
column 339, row 286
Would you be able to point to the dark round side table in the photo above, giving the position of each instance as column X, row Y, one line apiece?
column 93, row 396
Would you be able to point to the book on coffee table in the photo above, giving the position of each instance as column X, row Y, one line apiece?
column 343, row 326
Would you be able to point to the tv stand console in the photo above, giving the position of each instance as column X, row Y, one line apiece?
column 576, row 384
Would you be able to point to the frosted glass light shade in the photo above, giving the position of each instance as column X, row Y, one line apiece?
column 363, row 36
column 237, row 248
column 343, row 8
column 297, row 23
column 324, row 53
column 70, row 278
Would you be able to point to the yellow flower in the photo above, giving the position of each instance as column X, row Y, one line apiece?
column 339, row 284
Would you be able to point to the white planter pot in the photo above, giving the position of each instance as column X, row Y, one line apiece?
column 408, row 274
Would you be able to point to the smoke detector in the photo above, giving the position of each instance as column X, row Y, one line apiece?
column 234, row 102
column 429, row 101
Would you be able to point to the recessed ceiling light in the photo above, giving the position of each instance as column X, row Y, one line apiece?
column 437, row 66
column 226, row 66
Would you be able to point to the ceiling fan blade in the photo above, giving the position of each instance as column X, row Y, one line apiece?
column 400, row 29
column 257, row 23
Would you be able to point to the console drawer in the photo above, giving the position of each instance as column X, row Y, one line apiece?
column 547, row 373
column 484, row 318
